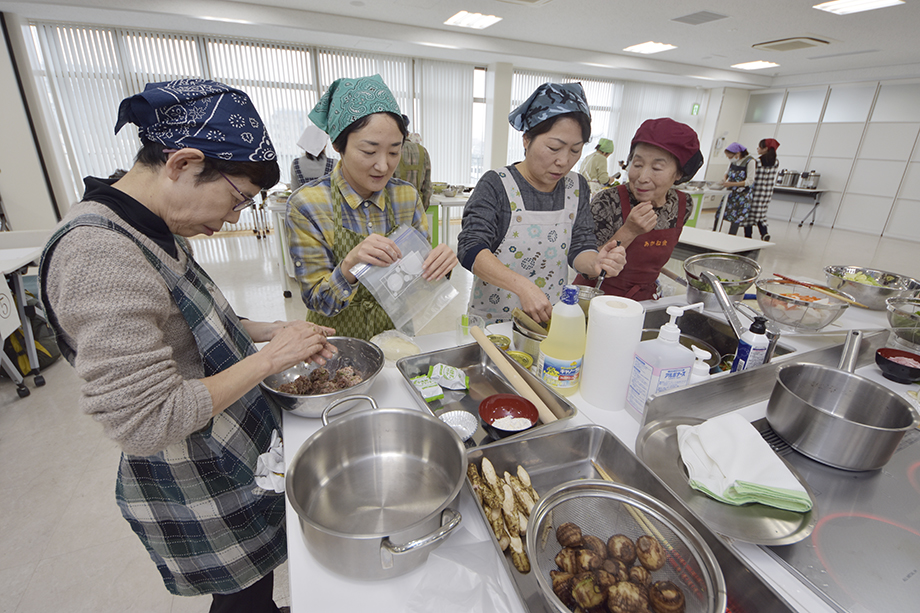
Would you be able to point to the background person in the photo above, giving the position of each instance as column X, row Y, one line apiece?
column 762, row 191
column 647, row 214
column 526, row 223
column 313, row 163
column 739, row 179
column 415, row 165
column 170, row 371
column 594, row 167
column 343, row 219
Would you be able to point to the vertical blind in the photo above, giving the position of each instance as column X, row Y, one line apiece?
column 617, row 108
column 85, row 72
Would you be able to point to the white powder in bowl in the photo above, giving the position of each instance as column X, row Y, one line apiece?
column 512, row 424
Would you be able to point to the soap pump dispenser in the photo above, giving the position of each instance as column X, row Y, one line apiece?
column 660, row 364
column 700, row 370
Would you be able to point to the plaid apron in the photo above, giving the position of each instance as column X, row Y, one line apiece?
column 363, row 317
column 762, row 191
column 195, row 505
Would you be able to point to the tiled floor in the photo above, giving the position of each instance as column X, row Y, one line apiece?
column 63, row 544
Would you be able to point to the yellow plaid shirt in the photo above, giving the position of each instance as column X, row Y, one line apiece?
column 310, row 226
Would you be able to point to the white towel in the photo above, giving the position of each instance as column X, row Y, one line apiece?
column 270, row 466
column 728, row 459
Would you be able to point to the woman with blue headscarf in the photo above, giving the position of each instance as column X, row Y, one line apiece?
column 526, row 223
column 170, row 371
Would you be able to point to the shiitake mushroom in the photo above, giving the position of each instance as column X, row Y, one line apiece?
column 650, row 552
column 665, row 597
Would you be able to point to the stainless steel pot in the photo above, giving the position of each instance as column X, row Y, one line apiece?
column 790, row 178
column 376, row 490
column 836, row 417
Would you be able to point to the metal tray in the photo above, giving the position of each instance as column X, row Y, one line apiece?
column 656, row 445
column 553, row 458
column 485, row 379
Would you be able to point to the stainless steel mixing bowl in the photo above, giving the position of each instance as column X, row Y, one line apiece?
column 890, row 285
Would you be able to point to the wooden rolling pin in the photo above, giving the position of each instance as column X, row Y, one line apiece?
column 517, row 381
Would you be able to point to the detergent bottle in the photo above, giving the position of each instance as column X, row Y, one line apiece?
column 563, row 350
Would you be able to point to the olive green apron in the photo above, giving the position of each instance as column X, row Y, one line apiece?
column 363, row 317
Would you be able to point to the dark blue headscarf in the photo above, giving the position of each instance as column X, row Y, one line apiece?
column 549, row 100
column 216, row 119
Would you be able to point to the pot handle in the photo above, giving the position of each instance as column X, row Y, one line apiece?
column 336, row 403
column 450, row 519
column 850, row 351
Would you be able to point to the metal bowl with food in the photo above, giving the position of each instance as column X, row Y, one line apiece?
column 603, row 525
column 871, row 287
column 736, row 273
column 363, row 358
column 798, row 307
column 904, row 318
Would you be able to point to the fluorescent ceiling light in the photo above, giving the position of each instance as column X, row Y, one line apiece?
column 477, row 21
column 650, row 47
column 758, row 65
column 845, row 7
column 228, row 20
column 440, row 45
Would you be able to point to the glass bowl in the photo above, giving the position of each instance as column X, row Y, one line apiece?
column 810, row 311
column 904, row 318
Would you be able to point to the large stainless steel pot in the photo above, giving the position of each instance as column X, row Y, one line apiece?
column 376, row 490
column 837, row 417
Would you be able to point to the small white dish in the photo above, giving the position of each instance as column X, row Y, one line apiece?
column 463, row 422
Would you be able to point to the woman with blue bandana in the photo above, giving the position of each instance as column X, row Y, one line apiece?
column 526, row 223
column 343, row 218
column 170, row 371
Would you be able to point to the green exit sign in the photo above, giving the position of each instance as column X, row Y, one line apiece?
column 695, row 109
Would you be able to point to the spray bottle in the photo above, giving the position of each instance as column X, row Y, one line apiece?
column 752, row 346
column 660, row 364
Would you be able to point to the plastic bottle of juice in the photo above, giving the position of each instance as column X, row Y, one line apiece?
column 563, row 350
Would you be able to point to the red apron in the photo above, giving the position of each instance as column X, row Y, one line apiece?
column 645, row 256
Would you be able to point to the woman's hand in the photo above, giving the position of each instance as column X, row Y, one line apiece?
column 534, row 302
column 297, row 341
column 642, row 218
column 611, row 258
column 376, row 250
column 439, row 262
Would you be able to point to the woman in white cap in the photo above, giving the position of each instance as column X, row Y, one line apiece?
column 526, row 223
column 313, row 164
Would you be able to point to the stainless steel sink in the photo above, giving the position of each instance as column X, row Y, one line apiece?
column 706, row 328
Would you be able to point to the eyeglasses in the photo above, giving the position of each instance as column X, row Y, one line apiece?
column 247, row 201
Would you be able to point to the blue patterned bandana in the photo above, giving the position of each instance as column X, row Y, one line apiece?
column 216, row 119
column 348, row 100
column 549, row 100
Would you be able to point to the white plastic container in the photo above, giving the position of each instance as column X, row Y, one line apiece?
column 700, row 370
column 661, row 364
column 752, row 346
column 562, row 352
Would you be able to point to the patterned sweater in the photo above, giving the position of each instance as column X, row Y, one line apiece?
column 135, row 351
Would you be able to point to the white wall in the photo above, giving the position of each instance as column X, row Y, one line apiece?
column 727, row 127
column 25, row 194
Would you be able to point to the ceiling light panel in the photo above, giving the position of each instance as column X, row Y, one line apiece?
column 758, row 65
column 846, row 7
column 650, row 47
column 477, row 21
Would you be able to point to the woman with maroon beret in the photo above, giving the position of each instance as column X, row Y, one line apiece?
column 646, row 215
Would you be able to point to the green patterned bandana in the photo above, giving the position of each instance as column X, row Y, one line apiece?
column 348, row 100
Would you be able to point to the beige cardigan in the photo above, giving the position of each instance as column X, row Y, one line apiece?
column 135, row 351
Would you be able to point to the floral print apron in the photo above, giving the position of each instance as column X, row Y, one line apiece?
column 536, row 247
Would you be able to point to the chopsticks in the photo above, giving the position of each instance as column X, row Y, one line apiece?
column 822, row 290
column 687, row 574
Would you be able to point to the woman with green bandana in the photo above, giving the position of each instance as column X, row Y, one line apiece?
column 343, row 219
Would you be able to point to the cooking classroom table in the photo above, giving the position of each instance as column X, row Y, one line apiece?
column 798, row 194
column 18, row 250
column 446, row 204
column 313, row 588
column 693, row 241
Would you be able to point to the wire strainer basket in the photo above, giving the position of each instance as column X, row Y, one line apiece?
column 603, row 509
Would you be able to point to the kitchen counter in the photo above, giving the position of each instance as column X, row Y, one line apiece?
column 313, row 588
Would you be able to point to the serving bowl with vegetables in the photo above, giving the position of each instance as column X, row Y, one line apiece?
column 870, row 286
column 798, row 307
